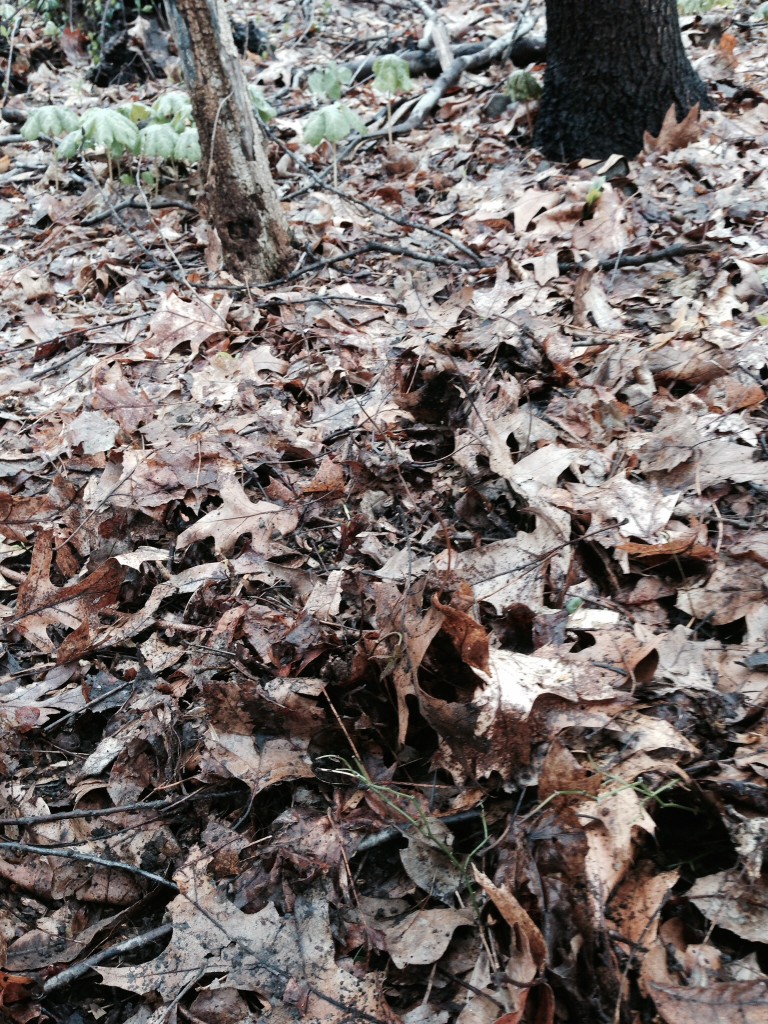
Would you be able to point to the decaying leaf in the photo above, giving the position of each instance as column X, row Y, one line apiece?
column 469, row 504
column 674, row 134
column 277, row 958
column 238, row 515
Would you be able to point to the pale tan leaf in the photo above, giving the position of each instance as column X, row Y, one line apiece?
column 237, row 515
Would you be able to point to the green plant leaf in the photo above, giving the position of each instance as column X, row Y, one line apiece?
column 135, row 112
column 70, row 145
column 51, row 121
column 172, row 106
column 158, row 140
column 522, row 86
column 328, row 82
column 111, row 130
column 187, row 148
column 261, row 106
column 391, row 74
column 332, row 124
column 689, row 7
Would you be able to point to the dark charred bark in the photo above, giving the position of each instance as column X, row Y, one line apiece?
column 242, row 202
column 614, row 68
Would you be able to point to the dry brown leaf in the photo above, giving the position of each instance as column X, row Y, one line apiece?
column 329, row 479
column 233, row 755
column 706, row 1000
column 179, row 321
column 516, row 917
column 75, row 607
column 273, row 955
column 422, row 937
column 727, row 47
column 635, row 905
column 734, row 901
column 661, row 553
column 237, row 515
column 428, row 865
column 466, row 634
column 674, row 134
column 93, row 432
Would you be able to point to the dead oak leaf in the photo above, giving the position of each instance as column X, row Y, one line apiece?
column 329, row 479
column 287, row 959
column 692, row 994
column 178, row 321
column 674, row 134
column 237, row 515
column 75, row 607
column 423, row 936
column 467, row 635
column 516, row 917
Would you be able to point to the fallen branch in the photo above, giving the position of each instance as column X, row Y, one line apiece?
column 426, row 104
column 394, row 250
column 524, row 50
column 618, row 262
column 13, row 116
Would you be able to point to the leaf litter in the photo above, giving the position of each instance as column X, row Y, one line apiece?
column 388, row 643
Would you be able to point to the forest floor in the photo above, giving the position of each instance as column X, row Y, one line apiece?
column 387, row 643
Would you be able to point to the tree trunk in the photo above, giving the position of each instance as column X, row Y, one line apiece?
column 614, row 68
column 242, row 202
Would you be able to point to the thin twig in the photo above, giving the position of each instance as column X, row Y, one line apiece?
column 76, row 971
column 617, row 262
column 395, row 250
column 89, row 858
column 162, row 267
column 9, row 58
column 101, row 699
column 213, row 135
column 95, row 812
column 134, row 204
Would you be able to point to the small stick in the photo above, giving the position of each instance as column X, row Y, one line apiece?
column 668, row 253
column 93, row 812
column 127, row 946
column 90, row 858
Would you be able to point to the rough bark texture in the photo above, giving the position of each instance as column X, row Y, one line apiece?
column 242, row 202
column 614, row 68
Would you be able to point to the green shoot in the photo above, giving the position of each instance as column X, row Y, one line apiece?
column 593, row 198
column 327, row 83
column 332, row 124
column 391, row 76
column 261, row 106
column 522, row 87
column 406, row 807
